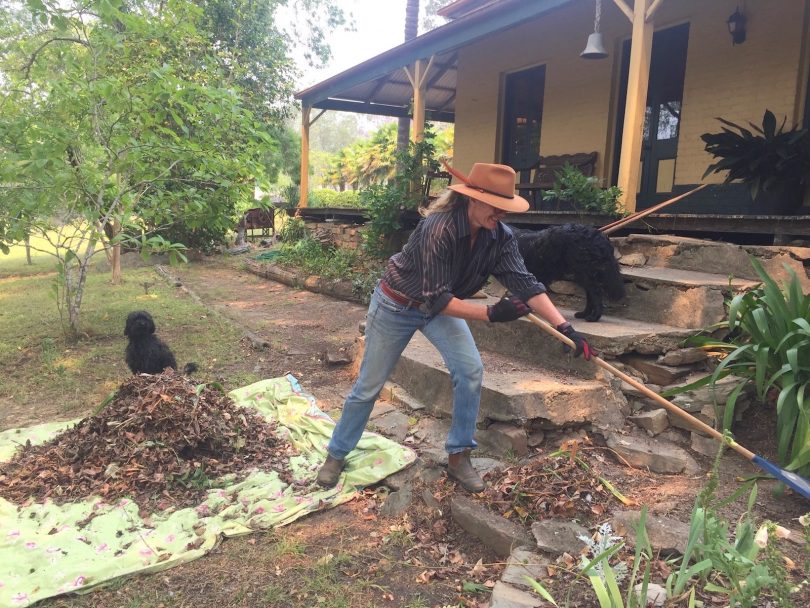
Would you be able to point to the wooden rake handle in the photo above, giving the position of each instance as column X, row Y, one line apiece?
column 667, row 405
column 621, row 223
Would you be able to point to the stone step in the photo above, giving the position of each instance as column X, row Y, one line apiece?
column 725, row 258
column 611, row 336
column 513, row 391
column 667, row 296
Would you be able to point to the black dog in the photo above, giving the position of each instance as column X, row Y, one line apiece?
column 574, row 251
column 146, row 353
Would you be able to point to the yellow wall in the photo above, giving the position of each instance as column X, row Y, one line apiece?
column 735, row 82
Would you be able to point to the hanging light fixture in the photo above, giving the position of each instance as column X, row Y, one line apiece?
column 736, row 27
column 595, row 49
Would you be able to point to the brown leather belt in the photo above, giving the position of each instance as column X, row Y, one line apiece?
column 397, row 297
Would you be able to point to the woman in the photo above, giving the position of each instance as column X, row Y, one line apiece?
column 448, row 258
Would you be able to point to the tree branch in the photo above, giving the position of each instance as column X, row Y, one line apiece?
column 29, row 64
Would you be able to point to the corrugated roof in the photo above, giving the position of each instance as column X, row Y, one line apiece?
column 380, row 85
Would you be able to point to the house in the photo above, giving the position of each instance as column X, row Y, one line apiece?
column 509, row 74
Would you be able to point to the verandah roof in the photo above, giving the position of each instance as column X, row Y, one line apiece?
column 380, row 85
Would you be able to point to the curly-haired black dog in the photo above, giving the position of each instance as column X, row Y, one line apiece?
column 146, row 353
column 578, row 252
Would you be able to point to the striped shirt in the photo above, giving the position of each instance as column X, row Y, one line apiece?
column 438, row 262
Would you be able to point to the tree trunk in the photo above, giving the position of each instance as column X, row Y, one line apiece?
column 28, row 250
column 411, row 29
column 115, row 263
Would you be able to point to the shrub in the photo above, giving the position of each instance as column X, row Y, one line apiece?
column 584, row 192
column 293, row 230
column 332, row 198
column 386, row 203
column 290, row 194
column 348, row 198
column 322, row 198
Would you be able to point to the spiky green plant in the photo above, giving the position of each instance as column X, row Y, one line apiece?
column 770, row 349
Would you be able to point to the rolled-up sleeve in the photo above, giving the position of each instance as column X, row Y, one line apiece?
column 511, row 271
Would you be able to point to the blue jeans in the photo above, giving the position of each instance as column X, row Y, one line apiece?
column 389, row 328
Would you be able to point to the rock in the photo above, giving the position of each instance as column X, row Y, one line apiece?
column 405, row 476
column 633, row 259
column 535, row 439
column 631, row 391
column 696, row 400
column 655, row 454
column 666, row 534
column 432, row 431
column 431, row 474
column 502, row 438
column 704, row 445
column 682, row 356
column 381, row 408
column 486, row 465
column 341, row 356
column 657, row 373
column 507, row 596
column 656, row 594
column 430, row 500
column 558, row 537
column 523, row 563
column 497, row 533
column 394, row 392
column 436, row 456
column 567, row 288
column 397, row 502
column 654, row 421
column 392, row 424
column 256, row 341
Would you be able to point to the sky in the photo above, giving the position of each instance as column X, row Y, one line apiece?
column 379, row 26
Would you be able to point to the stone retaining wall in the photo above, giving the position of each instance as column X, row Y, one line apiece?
column 341, row 289
column 346, row 236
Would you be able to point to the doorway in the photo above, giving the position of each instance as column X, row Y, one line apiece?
column 522, row 118
column 662, row 119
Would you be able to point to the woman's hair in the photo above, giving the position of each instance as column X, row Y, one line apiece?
column 446, row 202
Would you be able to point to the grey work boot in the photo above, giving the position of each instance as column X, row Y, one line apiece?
column 460, row 468
column 330, row 472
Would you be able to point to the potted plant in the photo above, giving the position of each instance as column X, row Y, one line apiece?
column 773, row 162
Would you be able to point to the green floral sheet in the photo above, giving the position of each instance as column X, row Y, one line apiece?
column 48, row 549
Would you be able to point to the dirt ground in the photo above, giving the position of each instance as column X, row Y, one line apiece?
column 351, row 556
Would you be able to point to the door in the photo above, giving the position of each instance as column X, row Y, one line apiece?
column 522, row 118
column 662, row 121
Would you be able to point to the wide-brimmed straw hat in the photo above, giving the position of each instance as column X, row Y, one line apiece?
column 491, row 184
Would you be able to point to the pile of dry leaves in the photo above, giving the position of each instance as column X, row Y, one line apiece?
column 563, row 484
column 161, row 441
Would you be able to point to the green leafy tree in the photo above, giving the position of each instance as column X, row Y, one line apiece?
column 118, row 118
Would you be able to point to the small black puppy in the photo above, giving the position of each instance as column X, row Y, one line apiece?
column 574, row 251
column 146, row 353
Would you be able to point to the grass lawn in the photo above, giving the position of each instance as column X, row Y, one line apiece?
column 15, row 263
column 47, row 377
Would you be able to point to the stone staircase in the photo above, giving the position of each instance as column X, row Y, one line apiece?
column 675, row 286
column 534, row 395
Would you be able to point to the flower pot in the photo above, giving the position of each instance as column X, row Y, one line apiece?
column 784, row 198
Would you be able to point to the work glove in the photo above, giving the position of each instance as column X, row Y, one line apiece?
column 581, row 344
column 507, row 309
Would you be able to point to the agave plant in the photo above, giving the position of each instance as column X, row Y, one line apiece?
column 771, row 350
column 766, row 158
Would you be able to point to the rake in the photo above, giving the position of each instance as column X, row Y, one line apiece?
column 792, row 480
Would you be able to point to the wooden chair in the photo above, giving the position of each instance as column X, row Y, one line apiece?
column 543, row 173
column 431, row 176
